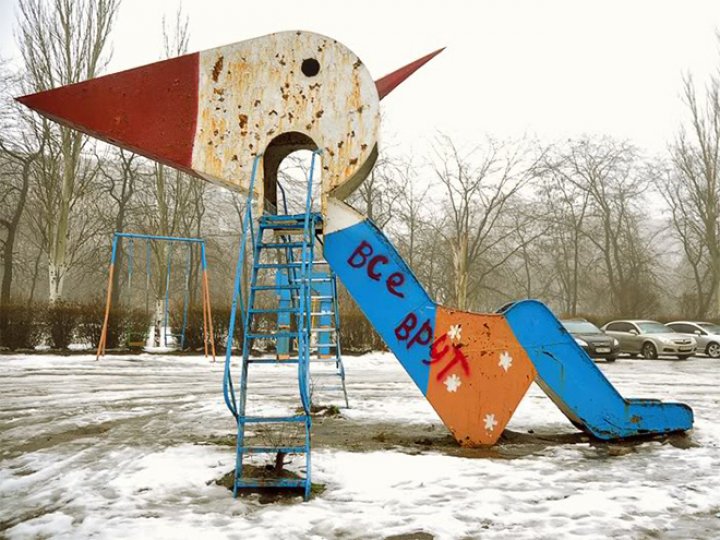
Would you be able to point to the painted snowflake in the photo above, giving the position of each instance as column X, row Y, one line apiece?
column 453, row 382
column 505, row 361
column 490, row 422
column 454, row 332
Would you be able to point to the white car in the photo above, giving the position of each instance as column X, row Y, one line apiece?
column 706, row 334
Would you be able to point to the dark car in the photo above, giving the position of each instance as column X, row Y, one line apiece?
column 594, row 341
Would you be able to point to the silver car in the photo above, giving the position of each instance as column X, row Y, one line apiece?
column 650, row 338
column 706, row 334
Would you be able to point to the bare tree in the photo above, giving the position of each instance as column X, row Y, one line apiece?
column 410, row 211
column 530, row 274
column 62, row 42
column 478, row 192
column 17, row 155
column 377, row 195
column 14, row 196
column 120, row 179
column 567, row 208
column 692, row 191
column 607, row 172
column 176, row 205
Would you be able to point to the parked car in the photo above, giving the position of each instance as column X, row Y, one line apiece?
column 651, row 339
column 594, row 341
column 706, row 334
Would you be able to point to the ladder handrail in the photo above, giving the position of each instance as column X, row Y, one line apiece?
column 284, row 195
column 306, row 265
column 228, row 388
column 237, row 404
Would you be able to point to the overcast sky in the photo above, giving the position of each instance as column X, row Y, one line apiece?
column 552, row 69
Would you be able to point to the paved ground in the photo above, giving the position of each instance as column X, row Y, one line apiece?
column 131, row 446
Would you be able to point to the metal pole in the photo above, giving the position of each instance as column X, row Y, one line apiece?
column 228, row 390
column 204, row 307
column 167, row 295
column 203, row 260
column 147, row 282
column 108, row 301
column 187, row 297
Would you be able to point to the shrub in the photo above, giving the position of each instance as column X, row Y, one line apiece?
column 61, row 319
column 132, row 326
column 90, row 321
column 221, row 323
column 19, row 328
column 124, row 325
column 357, row 334
column 193, row 329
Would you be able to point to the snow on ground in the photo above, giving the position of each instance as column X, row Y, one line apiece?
column 115, row 449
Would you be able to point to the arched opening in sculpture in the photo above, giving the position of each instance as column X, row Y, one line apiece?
column 280, row 148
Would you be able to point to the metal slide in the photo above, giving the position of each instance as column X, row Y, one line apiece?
column 214, row 113
column 475, row 368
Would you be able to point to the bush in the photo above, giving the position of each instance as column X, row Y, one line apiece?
column 61, row 319
column 357, row 334
column 221, row 323
column 90, row 321
column 131, row 325
column 124, row 325
column 19, row 328
column 194, row 329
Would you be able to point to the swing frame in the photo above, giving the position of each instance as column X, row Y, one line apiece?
column 208, row 333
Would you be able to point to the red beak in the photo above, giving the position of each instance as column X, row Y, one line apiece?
column 390, row 81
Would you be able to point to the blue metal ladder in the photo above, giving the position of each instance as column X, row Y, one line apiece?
column 325, row 335
column 291, row 236
column 326, row 385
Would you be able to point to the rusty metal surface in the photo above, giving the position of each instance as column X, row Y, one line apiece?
column 210, row 113
column 254, row 91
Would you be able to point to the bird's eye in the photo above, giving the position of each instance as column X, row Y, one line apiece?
column 310, row 67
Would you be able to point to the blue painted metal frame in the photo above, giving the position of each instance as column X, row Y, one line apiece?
column 580, row 390
column 131, row 256
column 172, row 239
column 237, row 403
column 167, row 294
column 186, row 300
column 228, row 389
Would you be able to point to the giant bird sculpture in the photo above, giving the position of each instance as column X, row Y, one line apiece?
column 212, row 113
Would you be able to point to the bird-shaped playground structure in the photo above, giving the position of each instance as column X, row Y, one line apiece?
column 212, row 113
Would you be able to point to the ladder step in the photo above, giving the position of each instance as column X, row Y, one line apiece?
column 272, row 218
column 272, row 419
column 315, row 279
column 281, row 245
column 323, row 329
column 266, row 266
column 289, row 225
column 274, row 449
column 274, row 287
column 320, row 313
column 272, row 336
column 278, row 310
column 271, row 482
column 321, row 297
column 272, row 361
column 281, row 217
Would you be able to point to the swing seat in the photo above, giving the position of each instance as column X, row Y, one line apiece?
column 135, row 341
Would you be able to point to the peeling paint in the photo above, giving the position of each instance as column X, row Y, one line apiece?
column 337, row 108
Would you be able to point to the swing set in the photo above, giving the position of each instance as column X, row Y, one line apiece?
column 208, row 335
